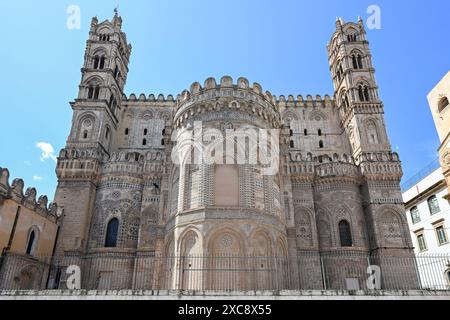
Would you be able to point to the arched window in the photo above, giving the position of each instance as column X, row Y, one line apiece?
column 415, row 215
column 447, row 276
column 96, row 92
column 113, row 106
column 360, row 63
column 339, row 72
column 85, row 134
column 291, row 143
column 352, row 37
column 345, row 234
column 291, row 132
column 433, row 205
column 321, row 144
column 363, row 92
column 96, row 62
column 319, row 132
column 305, row 132
column 127, row 131
column 102, row 63
column 345, row 102
column 355, row 62
column 443, row 103
column 144, row 142
column 366, row 94
column 162, row 142
column 145, row 132
column 30, row 245
column 111, row 233
column 372, row 134
column 90, row 92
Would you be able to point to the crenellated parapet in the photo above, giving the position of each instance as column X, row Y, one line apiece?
column 337, row 171
column 308, row 102
column 323, row 168
column 134, row 164
column 380, row 166
column 150, row 98
column 78, row 164
column 227, row 96
column 15, row 192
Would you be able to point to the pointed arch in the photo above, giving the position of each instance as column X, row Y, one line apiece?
column 345, row 233
column 190, row 242
column 261, row 243
column 93, row 80
column 393, row 227
column 372, row 131
column 87, row 124
column 317, row 115
column 226, row 239
column 112, row 233
column 303, row 226
column 32, row 241
column 324, row 229
column 363, row 89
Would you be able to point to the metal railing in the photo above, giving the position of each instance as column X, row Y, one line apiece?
column 305, row 271
column 434, row 165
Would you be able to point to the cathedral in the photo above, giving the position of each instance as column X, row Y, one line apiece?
column 226, row 186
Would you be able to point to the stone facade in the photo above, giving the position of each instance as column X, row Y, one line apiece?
column 438, row 100
column 28, row 231
column 336, row 192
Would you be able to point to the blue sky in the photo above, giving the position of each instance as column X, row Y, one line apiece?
column 280, row 44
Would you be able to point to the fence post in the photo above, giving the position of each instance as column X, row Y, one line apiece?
column 322, row 268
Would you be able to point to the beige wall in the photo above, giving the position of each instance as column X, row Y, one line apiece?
column 226, row 189
column 27, row 219
column 441, row 119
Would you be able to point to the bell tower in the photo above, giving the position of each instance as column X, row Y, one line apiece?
column 96, row 113
column 355, row 89
column 104, row 73
column 361, row 116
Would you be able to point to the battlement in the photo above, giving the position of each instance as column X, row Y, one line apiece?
column 150, row 98
column 310, row 101
column 226, row 82
column 15, row 191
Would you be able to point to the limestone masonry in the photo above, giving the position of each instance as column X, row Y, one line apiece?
column 126, row 203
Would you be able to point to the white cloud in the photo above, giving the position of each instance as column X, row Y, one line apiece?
column 37, row 178
column 47, row 151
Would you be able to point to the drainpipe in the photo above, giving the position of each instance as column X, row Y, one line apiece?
column 52, row 257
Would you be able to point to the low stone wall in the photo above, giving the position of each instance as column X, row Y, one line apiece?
column 222, row 295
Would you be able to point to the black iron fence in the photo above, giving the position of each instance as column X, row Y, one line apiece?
column 305, row 271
